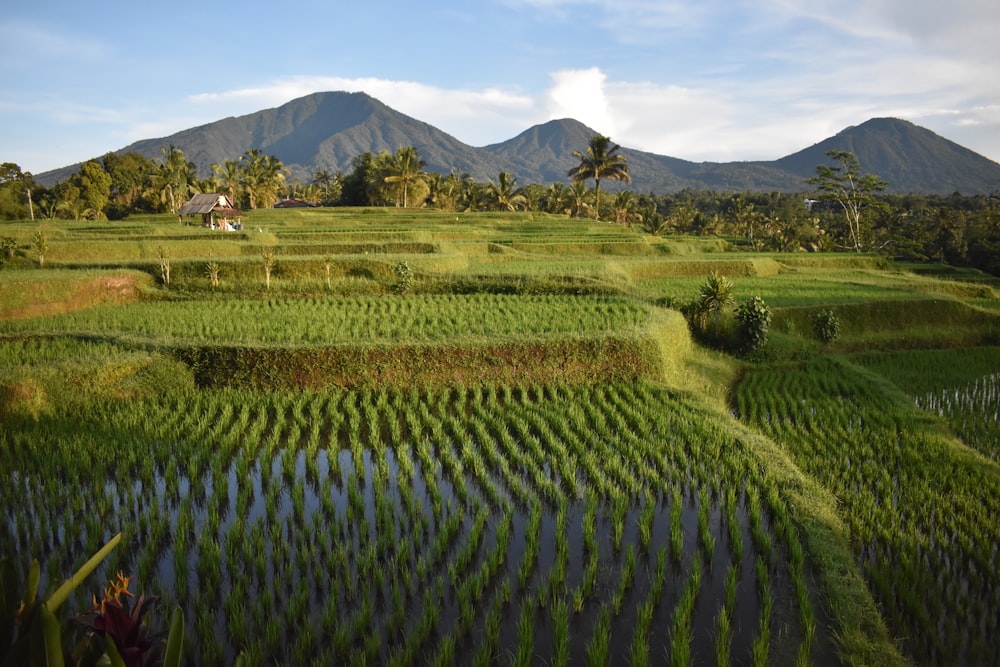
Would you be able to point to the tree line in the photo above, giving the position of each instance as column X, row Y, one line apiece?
column 841, row 207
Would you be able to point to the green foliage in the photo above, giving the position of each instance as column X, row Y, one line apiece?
column 212, row 270
column 404, row 175
column 8, row 246
column 15, row 187
column 267, row 254
column 826, row 326
column 847, row 428
column 601, row 160
column 854, row 192
column 30, row 634
column 404, row 278
column 754, row 319
column 40, row 243
column 164, row 259
column 715, row 296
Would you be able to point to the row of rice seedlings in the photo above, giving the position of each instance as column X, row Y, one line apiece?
column 612, row 460
column 762, row 642
column 522, row 435
column 973, row 410
column 921, row 514
column 489, row 450
column 681, row 634
column 532, row 537
column 296, row 546
column 416, row 317
column 587, row 458
column 557, row 451
column 639, row 649
column 526, row 466
column 705, row 536
column 724, row 620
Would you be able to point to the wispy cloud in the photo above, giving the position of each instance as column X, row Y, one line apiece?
column 22, row 42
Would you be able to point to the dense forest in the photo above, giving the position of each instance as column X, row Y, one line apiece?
column 958, row 230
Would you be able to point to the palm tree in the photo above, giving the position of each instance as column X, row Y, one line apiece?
column 555, row 198
column 228, row 175
column 714, row 296
column 600, row 161
column 174, row 179
column 330, row 186
column 624, row 206
column 404, row 170
column 502, row 194
column 577, row 198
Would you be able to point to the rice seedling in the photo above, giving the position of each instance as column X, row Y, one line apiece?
column 682, row 629
column 705, row 535
column 676, row 530
column 889, row 471
column 599, row 646
column 524, row 655
column 762, row 642
column 646, row 520
column 531, row 545
column 487, row 652
column 560, row 632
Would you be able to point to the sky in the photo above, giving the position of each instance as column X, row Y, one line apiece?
column 702, row 80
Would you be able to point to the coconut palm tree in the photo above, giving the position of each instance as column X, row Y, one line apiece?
column 404, row 170
column 555, row 198
column 577, row 196
column 502, row 195
column 174, row 179
column 228, row 175
column 624, row 207
column 263, row 176
column 601, row 160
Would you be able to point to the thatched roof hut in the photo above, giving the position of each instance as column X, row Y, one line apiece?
column 216, row 209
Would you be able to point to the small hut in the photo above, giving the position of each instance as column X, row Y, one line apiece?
column 216, row 209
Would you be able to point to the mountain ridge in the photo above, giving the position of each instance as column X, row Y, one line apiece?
column 327, row 130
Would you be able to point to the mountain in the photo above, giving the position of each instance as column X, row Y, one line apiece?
column 910, row 157
column 320, row 131
column 328, row 130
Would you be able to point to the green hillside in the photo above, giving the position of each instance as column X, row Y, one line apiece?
column 362, row 436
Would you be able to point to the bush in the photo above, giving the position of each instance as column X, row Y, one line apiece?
column 826, row 326
column 754, row 319
column 405, row 275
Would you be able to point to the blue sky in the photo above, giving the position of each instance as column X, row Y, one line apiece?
column 714, row 80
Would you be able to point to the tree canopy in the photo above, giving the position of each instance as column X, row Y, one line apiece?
column 843, row 183
column 601, row 160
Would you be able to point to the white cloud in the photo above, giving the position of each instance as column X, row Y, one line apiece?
column 580, row 94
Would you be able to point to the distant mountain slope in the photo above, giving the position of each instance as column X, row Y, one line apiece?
column 910, row 157
column 328, row 130
column 321, row 131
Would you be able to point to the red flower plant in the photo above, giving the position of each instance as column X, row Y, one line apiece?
column 125, row 624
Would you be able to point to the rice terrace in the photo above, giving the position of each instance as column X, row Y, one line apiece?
column 407, row 437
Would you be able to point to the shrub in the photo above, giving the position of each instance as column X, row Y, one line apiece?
column 754, row 319
column 826, row 326
column 8, row 247
column 405, row 275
